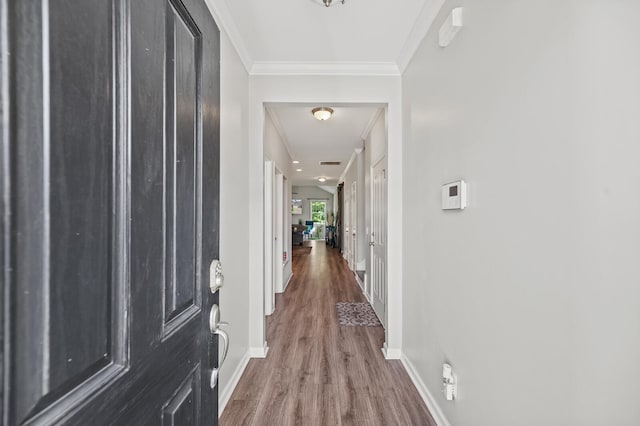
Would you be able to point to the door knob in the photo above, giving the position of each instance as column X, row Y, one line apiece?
column 216, row 279
column 214, row 328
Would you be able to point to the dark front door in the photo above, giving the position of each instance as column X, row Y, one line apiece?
column 110, row 162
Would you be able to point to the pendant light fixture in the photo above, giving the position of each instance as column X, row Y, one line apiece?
column 327, row 3
column 322, row 113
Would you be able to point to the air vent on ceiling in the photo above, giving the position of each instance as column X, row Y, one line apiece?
column 330, row 163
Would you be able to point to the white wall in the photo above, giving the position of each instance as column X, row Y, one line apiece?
column 380, row 90
column 276, row 151
column 532, row 293
column 234, row 210
column 275, row 148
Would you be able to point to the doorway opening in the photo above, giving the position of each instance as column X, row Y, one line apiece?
column 318, row 217
column 328, row 197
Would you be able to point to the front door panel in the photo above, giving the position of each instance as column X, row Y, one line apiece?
column 112, row 185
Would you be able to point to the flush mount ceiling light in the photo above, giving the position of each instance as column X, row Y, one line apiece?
column 322, row 179
column 296, row 162
column 298, row 170
column 328, row 2
column 322, row 113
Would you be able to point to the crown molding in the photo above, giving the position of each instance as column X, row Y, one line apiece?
column 280, row 130
column 221, row 14
column 325, row 68
column 370, row 124
column 418, row 32
column 326, row 188
column 346, row 169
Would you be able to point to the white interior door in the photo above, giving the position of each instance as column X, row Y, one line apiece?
column 347, row 225
column 353, row 260
column 378, row 240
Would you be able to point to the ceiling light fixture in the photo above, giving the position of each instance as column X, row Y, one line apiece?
column 328, row 2
column 322, row 179
column 322, row 113
column 298, row 170
column 296, row 162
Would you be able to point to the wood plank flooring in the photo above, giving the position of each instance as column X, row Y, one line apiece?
column 316, row 372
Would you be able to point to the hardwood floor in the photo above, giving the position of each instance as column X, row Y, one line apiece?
column 317, row 372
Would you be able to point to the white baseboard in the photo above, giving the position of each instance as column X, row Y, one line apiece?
column 259, row 352
column 287, row 283
column 391, row 353
column 366, row 296
column 424, row 392
column 225, row 395
column 360, row 283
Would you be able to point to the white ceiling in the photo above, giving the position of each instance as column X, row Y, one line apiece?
column 360, row 37
column 304, row 36
column 311, row 141
column 307, row 31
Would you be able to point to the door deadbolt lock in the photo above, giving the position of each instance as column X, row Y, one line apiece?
column 216, row 279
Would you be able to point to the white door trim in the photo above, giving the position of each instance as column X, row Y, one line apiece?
column 279, row 239
column 269, row 295
column 381, row 91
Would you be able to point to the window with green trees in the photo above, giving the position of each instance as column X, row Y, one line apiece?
column 318, row 209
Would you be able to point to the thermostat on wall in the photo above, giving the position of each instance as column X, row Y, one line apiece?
column 454, row 196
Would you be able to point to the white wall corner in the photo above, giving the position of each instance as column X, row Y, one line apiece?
column 259, row 352
column 418, row 32
column 391, row 353
column 395, row 281
column 225, row 394
column 256, row 227
column 425, row 393
column 224, row 20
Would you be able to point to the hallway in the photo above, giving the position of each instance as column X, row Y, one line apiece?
column 317, row 372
